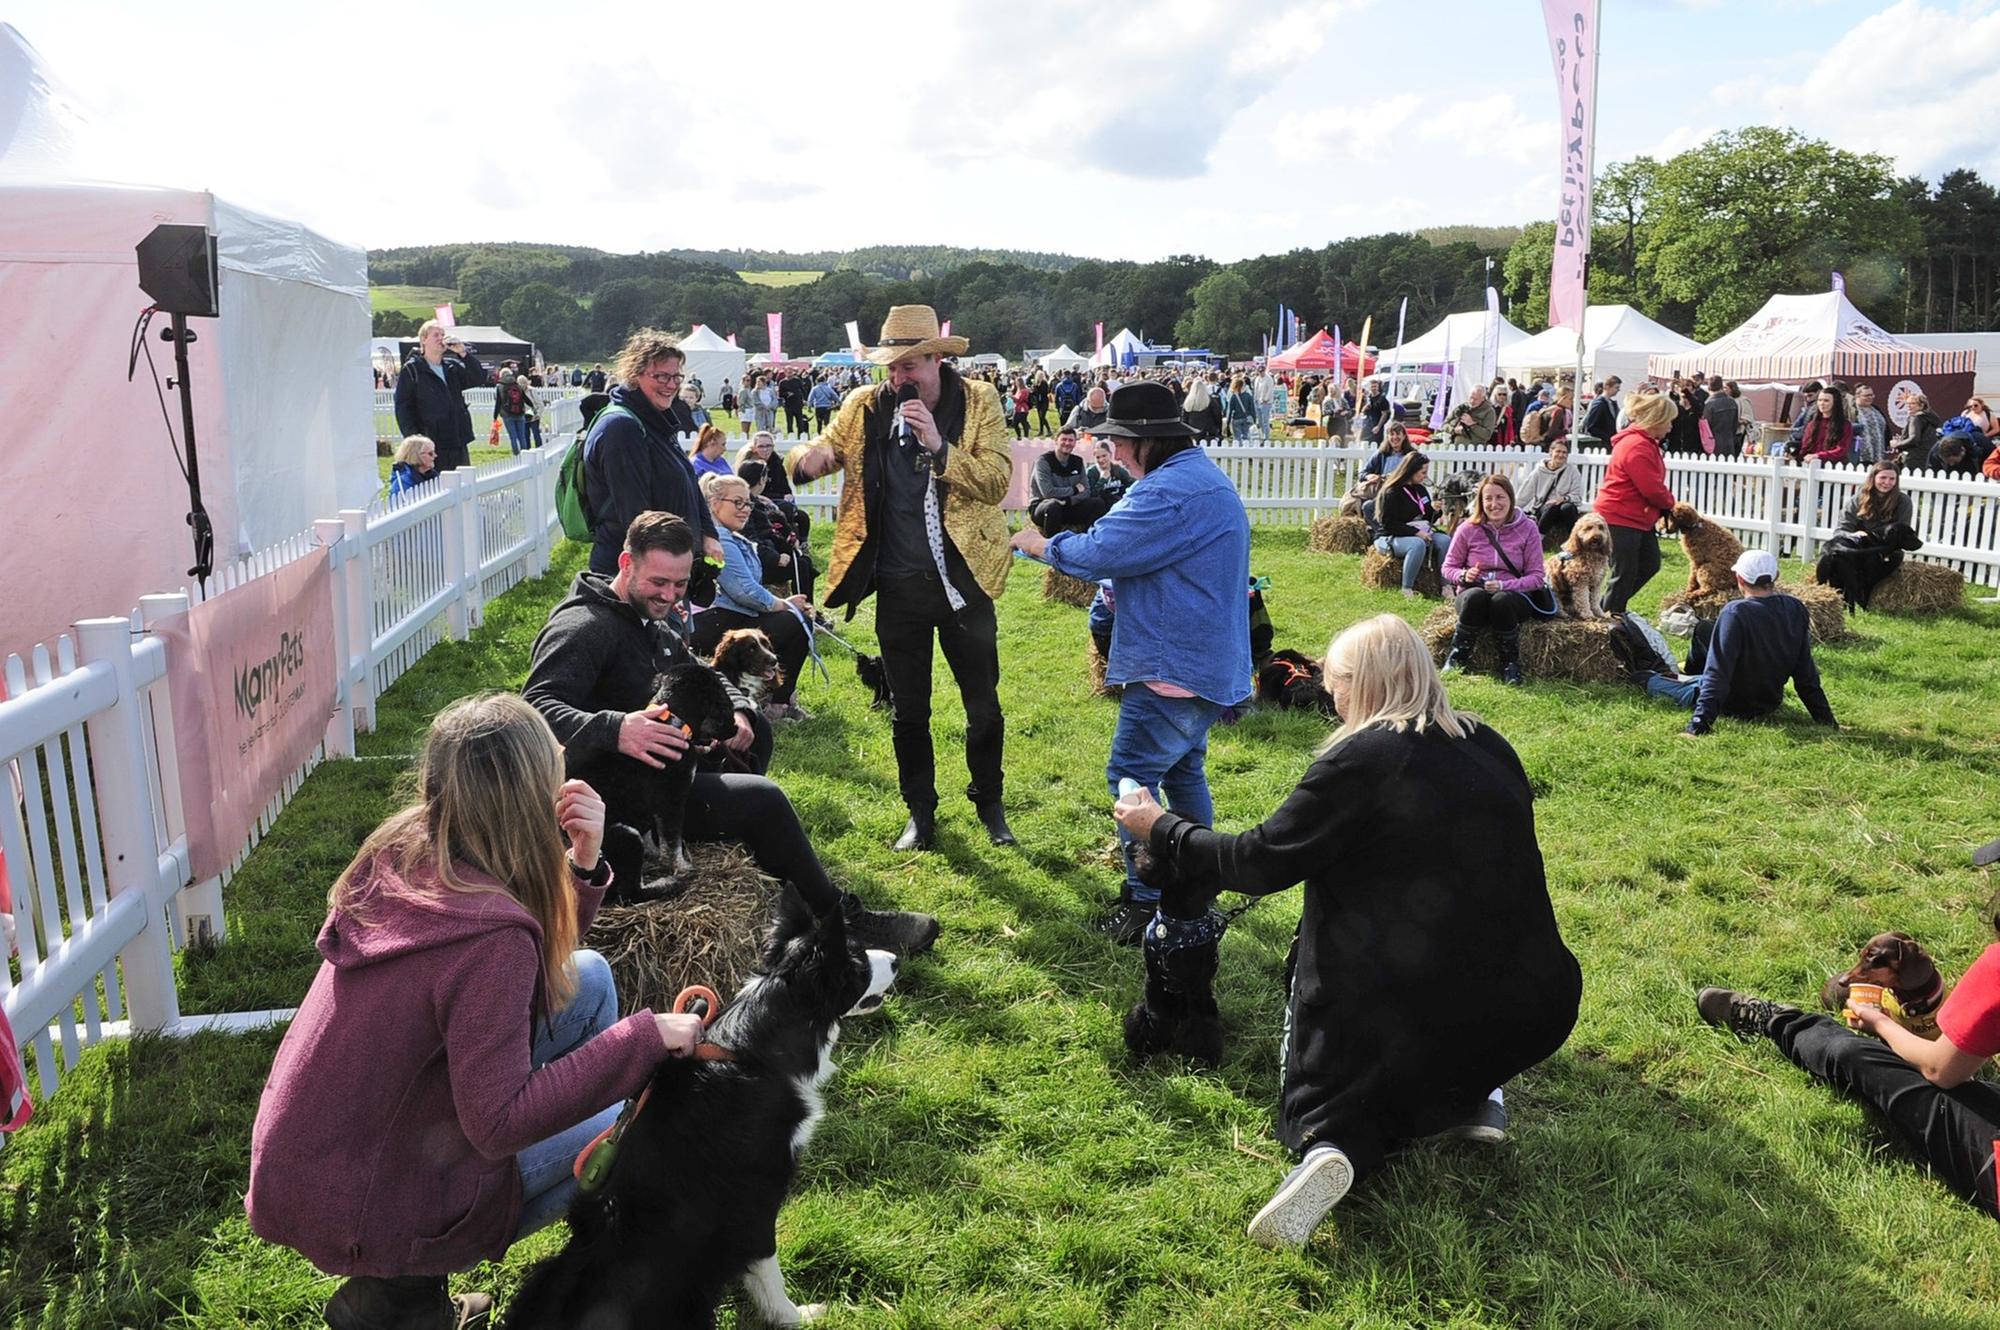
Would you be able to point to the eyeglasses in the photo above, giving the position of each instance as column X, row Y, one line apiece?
column 738, row 502
column 664, row 379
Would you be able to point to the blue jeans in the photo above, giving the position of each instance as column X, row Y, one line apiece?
column 517, row 432
column 1413, row 548
column 547, row 1182
column 1240, row 430
column 1264, row 421
column 1162, row 742
column 1682, row 693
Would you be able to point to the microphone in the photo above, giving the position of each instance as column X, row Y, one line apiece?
column 899, row 429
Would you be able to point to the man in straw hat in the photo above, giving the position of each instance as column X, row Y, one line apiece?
column 1177, row 548
column 922, row 531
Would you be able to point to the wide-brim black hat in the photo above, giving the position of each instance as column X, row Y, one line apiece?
column 1143, row 411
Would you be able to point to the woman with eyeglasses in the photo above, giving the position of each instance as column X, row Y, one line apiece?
column 743, row 601
column 632, row 456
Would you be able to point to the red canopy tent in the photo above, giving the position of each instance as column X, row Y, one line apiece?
column 1317, row 353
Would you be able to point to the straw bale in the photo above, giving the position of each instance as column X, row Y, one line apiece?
column 1578, row 650
column 1385, row 573
column 709, row 934
column 1919, row 589
column 1338, row 534
column 1824, row 607
column 1098, row 666
column 1066, row 590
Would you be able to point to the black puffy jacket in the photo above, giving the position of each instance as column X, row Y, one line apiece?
column 435, row 408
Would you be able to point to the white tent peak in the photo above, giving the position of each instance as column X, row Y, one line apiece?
column 1452, row 335
column 703, row 338
column 42, row 124
column 1617, row 339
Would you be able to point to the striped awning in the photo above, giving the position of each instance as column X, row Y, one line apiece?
column 1816, row 336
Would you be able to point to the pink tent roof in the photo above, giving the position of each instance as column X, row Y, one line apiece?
column 1316, row 352
column 1816, row 336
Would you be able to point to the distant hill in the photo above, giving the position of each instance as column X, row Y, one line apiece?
column 1486, row 237
column 444, row 265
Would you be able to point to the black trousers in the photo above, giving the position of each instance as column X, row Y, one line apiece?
column 788, row 640
column 1952, row 1129
column 909, row 612
column 749, row 810
column 1502, row 611
column 822, row 414
column 1070, row 514
column 1557, row 520
column 795, row 418
column 1635, row 558
column 1042, row 422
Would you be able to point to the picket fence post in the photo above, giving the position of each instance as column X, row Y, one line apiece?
column 1774, row 503
column 340, row 726
column 118, row 760
column 537, row 501
column 458, row 613
column 360, row 612
column 1809, row 511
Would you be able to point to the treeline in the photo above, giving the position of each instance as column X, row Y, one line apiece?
column 1698, row 242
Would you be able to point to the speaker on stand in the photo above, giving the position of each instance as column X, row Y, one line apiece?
column 178, row 268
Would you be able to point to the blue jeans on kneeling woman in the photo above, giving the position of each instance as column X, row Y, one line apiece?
column 1413, row 548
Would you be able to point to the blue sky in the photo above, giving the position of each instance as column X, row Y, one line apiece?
column 1129, row 131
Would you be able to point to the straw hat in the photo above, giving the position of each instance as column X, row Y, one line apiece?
column 912, row 330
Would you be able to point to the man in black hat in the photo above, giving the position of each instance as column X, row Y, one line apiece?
column 920, row 528
column 1177, row 549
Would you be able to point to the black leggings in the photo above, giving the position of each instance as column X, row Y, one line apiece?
column 1635, row 558
column 1068, row 514
column 788, row 639
column 1952, row 1129
column 1557, row 520
column 1502, row 611
column 749, row 810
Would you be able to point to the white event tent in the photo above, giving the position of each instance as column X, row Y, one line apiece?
column 1062, row 358
column 712, row 359
column 1454, row 336
column 283, row 398
column 1616, row 340
column 1115, row 349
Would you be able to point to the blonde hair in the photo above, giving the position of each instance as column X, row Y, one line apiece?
column 424, row 328
column 1196, row 400
column 744, row 454
column 1392, row 683
column 715, row 485
column 641, row 349
column 1653, row 412
column 486, row 787
column 411, row 446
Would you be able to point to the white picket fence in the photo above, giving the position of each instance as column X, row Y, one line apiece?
column 479, row 401
column 90, row 804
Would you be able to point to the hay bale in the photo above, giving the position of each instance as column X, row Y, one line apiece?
column 1385, row 573
column 709, row 934
column 1066, row 590
column 1919, row 589
column 1578, row 650
column 1338, row 534
column 1824, row 608
column 1098, row 666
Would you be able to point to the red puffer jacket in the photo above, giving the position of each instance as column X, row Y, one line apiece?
column 1634, row 492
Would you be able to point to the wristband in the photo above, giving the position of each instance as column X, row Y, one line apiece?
column 596, row 877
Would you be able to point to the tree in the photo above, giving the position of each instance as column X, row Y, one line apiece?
column 621, row 306
column 544, row 315
column 394, row 323
column 1225, row 316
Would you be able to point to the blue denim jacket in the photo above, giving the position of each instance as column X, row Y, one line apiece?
column 739, row 586
column 1177, row 548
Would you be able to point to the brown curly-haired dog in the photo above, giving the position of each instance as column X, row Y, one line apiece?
column 1577, row 571
column 1711, row 551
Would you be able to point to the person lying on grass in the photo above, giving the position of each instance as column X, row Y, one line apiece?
column 1738, row 665
column 456, row 1049
column 1428, row 970
column 1923, row 1088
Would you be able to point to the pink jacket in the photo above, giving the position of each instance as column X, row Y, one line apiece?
column 1478, row 543
column 386, row 1136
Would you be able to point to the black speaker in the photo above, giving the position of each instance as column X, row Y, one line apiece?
column 178, row 269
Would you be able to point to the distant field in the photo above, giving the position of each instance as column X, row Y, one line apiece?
column 794, row 278
column 419, row 302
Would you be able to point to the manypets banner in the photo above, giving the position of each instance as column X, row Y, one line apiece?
column 251, row 674
column 1572, row 26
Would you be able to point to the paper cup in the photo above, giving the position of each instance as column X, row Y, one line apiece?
column 1864, row 995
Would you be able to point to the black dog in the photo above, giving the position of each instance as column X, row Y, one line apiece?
column 690, row 1206
column 696, row 698
column 1290, row 681
column 1178, row 1013
column 870, row 671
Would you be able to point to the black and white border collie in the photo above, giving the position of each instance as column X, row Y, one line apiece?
column 691, row 1205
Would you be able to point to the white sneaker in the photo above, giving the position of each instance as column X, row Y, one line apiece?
column 1302, row 1199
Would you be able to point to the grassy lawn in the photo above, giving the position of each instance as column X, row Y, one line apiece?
column 990, row 1155
column 419, row 302
column 788, row 277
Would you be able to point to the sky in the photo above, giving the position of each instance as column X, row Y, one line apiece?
column 1129, row 131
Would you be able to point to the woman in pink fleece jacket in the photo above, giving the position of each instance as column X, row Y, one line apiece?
column 1495, row 562
column 455, row 1050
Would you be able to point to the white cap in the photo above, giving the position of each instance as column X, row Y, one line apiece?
column 1754, row 566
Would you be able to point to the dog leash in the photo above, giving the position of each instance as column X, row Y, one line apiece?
column 807, row 622
column 595, row 1161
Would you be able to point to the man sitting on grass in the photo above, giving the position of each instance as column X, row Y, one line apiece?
column 1739, row 664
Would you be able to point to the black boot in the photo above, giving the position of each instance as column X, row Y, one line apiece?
column 415, row 1303
column 901, row 933
column 921, row 831
column 1510, row 655
column 1459, row 658
column 994, row 818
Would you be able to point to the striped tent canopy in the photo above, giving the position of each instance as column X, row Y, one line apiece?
column 1816, row 336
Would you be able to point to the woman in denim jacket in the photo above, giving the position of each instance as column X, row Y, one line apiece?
column 743, row 601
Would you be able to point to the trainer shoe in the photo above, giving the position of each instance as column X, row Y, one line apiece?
column 1737, row 1012
column 901, row 933
column 1487, row 1125
column 1302, row 1199
column 416, row 1303
column 1126, row 923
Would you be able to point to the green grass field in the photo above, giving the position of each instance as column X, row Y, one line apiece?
column 419, row 302
column 790, row 277
column 990, row 1155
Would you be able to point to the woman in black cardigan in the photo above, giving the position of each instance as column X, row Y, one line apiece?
column 1428, row 968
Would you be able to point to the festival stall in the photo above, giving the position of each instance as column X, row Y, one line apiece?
column 1450, row 341
column 1123, row 349
column 1317, row 353
column 714, row 361
column 1796, row 338
column 1062, row 358
column 1617, row 339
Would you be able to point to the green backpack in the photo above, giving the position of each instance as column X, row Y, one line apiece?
column 572, row 499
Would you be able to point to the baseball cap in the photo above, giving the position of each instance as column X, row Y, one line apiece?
column 1754, row 566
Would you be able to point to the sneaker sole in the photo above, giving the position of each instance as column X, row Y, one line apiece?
column 1289, row 1219
column 1478, row 1133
